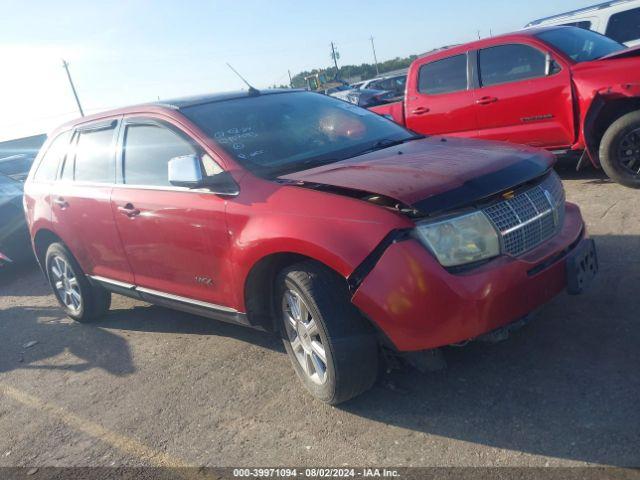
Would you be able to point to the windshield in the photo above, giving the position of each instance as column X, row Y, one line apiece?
column 580, row 45
column 281, row 133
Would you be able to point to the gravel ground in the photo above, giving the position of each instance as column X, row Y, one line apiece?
column 149, row 386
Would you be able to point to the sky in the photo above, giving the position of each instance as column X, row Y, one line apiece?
column 131, row 51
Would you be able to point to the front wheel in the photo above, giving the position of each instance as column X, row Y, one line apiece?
column 332, row 348
column 80, row 300
column 620, row 150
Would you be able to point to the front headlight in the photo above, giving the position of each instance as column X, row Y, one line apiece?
column 459, row 240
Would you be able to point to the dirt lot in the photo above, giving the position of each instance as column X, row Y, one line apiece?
column 149, row 386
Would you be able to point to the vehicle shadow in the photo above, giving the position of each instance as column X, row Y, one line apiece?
column 23, row 279
column 94, row 345
column 566, row 168
column 30, row 335
column 151, row 318
column 566, row 385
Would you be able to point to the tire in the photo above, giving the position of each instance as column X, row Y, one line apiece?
column 347, row 340
column 624, row 131
column 80, row 300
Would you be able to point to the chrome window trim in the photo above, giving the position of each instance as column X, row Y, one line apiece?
column 137, row 187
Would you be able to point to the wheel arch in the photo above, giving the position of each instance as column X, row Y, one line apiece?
column 259, row 285
column 601, row 114
column 41, row 241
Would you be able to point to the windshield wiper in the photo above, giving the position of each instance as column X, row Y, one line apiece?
column 388, row 142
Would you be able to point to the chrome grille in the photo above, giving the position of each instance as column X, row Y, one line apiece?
column 530, row 217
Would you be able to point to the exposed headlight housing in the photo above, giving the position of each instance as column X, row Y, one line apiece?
column 460, row 240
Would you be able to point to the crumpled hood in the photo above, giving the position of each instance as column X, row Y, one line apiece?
column 435, row 173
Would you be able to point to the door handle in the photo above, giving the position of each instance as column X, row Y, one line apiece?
column 486, row 100
column 420, row 111
column 129, row 210
column 61, row 202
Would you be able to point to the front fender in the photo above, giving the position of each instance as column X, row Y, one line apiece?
column 589, row 133
column 337, row 231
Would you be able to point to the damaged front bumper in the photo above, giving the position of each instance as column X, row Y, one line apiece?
column 418, row 305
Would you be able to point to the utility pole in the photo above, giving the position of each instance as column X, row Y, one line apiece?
column 478, row 34
column 375, row 59
column 73, row 88
column 290, row 80
column 335, row 55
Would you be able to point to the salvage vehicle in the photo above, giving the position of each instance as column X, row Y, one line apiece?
column 618, row 19
column 321, row 82
column 300, row 214
column 16, row 166
column 364, row 97
column 393, row 83
column 565, row 89
column 15, row 244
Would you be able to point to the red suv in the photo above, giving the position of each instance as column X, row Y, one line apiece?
column 300, row 214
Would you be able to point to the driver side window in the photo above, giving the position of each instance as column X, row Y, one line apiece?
column 147, row 150
column 510, row 63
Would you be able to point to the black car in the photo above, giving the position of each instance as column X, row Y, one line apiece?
column 363, row 97
column 14, row 235
column 16, row 166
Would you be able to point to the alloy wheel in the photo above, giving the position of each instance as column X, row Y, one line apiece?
column 66, row 284
column 304, row 336
column 629, row 152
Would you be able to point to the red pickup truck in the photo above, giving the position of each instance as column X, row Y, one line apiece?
column 560, row 88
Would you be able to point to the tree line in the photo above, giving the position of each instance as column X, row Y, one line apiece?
column 364, row 71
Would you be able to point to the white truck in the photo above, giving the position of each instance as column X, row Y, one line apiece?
column 619, row 19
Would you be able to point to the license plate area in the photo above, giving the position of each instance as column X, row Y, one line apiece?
column 582, row 267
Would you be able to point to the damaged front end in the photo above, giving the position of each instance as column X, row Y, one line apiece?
column 381, row 200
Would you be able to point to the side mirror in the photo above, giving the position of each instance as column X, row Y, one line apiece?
column 186, row 171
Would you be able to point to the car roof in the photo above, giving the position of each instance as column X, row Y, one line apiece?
column 477, row 44
column 175, row 104
column 386, row 77
column 179, row 103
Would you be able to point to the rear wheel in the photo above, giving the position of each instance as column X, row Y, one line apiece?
column 332, row 348
column 620, row 150
column 80, row 300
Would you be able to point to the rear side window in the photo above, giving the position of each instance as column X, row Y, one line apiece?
column 95, row 156
column 147, row 151
column 395, row 84
column 624, row 26
column 510, row 63
column 56, row 152
column 443, row 76
column 584, row 24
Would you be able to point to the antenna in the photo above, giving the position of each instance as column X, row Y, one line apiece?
column 252, row 90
